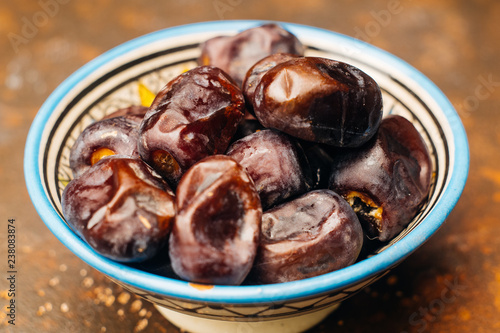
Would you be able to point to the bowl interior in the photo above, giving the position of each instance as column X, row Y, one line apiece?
column 112, row 81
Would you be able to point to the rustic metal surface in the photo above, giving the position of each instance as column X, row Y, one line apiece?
column 451, row 284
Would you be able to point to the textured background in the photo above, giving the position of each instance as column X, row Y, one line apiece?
column 451, row 284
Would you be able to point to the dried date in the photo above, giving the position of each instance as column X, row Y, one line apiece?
column 275, row 162
column 121, row 208
column 236, row 54
column 319, row 100
column 216, row 230
column 107, row 137
column 386, row 180
column 194, row 116
column 314, row 234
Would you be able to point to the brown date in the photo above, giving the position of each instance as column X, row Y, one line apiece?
column 319, row 100
column 121, row 208
column 216, row 231
column 193, row 116
column 257, row 71
column 275, row 162
column 314, row 234
column 386, row 180
column 236, row 54
column 110, row 136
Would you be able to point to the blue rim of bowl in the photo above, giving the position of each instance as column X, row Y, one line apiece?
column 323, row 284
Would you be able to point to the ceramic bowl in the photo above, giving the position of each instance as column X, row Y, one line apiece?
column 111, row 81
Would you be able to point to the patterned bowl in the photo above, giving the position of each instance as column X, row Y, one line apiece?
column 111, row 81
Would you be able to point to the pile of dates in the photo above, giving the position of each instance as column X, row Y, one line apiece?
column 261, row 164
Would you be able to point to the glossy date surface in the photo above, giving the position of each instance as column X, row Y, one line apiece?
column 236, row 54
column 194, row 116
column 216, row 231
column 275, row 162
column 257, row 71
column 319, row 100
column 314, row 234
column 110, row 136
column 121, row 208
column 386, row 180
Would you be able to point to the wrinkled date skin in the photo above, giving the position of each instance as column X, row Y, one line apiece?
column 319, row 100
column 121, row 208
column 386, row 180
column 107, row 137
column 275, row 162
column 194, row 116
column 257, row 71
column 236, row 54
column 215, row 236
column 314, row 234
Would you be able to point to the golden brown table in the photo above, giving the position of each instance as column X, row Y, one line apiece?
column 451, row 284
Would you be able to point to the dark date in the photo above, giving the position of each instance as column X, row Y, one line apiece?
column 121, row 208
column 257, row 71
column 236, row 54
column 107, row 137
column 216, row 231
column 194, row 116
column 314, row 234
column 386, row 180
column 319, row 100
column 275, row 162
